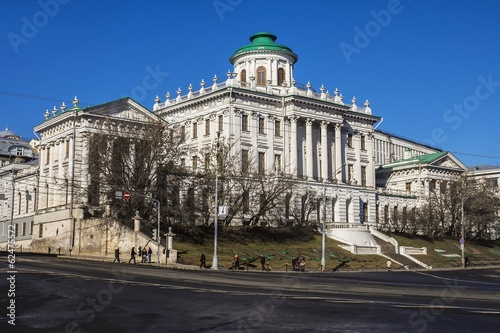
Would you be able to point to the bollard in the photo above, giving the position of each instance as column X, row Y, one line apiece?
column 286, row 267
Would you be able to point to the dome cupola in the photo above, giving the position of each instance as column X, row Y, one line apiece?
column 264, row 61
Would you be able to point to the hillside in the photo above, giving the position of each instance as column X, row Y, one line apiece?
column 280, row 245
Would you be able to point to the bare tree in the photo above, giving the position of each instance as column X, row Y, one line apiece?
column 137, row 161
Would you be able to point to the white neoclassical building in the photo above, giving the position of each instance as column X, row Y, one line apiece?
column 314, row 137
column 330, row 147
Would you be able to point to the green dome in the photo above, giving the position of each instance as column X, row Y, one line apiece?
column 263, row 41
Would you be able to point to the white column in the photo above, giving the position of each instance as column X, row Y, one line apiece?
column 270, row 140
column 269, row 70
column 254, row 134
column 324, row 150
column 249, row 70
column 289, row 74
column 275, row 72
column 338, row 152
column 293, row 145
column 309, row 149
column 235, row 129
column 286, row 146
column 370, row 168
column 357, row 153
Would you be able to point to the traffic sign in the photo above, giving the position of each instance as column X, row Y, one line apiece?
column 126, row 195
column 222, row 211
column 462, row 241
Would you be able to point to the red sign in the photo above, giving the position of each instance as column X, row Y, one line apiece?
column 126, row 195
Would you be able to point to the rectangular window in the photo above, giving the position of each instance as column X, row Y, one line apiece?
column 207, row 126
column 408, row 188
column 221, row 123
column 363, row 142
column 16, row 230
column 349, row 140
column 365, row 212
column 246, row 202
column 244, row 122
column 363, row 176
column 24, row 229
column 47, row 160
column 31, row 227
column 277, row 128
column 262, row 203
column 207, row 161
column 183, row 133
column 261, row 125
column 183, row 162
column 195, row 130
column 262, row 165
column 386, row 214
column 67, row 148
column 40, row 230
column 195, row 163
column 244, row 161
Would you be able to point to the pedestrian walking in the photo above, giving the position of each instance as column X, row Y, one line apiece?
column 236, row 262
column 202, row 260
column 132, row 255
column 117, row 255
column 263, row 262
column 149, row 254
column 144, row 255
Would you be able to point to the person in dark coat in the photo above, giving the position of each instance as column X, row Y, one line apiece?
column 132, row 255
column 263, row 262
column 117, row 255
column 149, row 254
column 202, row 260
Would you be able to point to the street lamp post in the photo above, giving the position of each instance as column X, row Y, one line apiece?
column 323, row 238
column 215, row 261
column 462, row 239
column 158, row 232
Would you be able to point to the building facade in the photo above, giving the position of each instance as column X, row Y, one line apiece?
column 333, row 150
column 325, row 144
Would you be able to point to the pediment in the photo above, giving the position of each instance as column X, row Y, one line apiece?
column 448, row 161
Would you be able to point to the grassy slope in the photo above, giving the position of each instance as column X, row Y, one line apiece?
column 280, row 245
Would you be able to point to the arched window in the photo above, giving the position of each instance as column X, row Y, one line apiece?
column 281, row 76
column 243, row 75
column 261, row 76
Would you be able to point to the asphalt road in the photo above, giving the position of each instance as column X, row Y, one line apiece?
column 67, row 295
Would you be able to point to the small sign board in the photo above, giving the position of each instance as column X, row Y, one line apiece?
column 126, row 195
column 462, row 241
column 222, row 211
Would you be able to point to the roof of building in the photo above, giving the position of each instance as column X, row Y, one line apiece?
column 263, row 41
column 8, row 134
column 420, row 159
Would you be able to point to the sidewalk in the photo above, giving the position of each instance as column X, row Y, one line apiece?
column 125, row 261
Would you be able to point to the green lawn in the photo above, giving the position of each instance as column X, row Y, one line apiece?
column 279, row 246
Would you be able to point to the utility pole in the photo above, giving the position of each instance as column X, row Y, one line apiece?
column 323, row 239
column 215, row 261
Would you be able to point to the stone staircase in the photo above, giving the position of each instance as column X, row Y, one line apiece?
column 388, row 250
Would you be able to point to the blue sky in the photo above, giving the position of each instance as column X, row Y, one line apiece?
column 429, row 68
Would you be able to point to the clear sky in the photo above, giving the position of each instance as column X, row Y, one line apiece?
column 429, row 68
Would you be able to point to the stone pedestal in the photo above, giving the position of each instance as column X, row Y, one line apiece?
column 137, row 222
column 172, row 254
